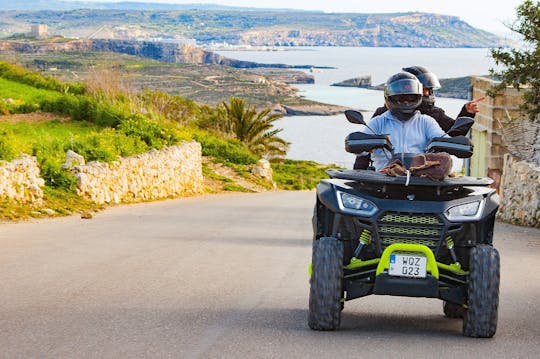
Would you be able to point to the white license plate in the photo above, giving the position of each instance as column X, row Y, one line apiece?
column 407, row 265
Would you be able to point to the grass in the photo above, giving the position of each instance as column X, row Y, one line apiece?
column 25, row 136
column 298, row 175
column 21, row 93
column 55, row 203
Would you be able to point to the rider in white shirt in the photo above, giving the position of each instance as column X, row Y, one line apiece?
column 409, row 130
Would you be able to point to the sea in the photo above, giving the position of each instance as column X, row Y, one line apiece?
column 321, row 138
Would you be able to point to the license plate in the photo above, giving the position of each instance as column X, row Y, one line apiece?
column 407, row 265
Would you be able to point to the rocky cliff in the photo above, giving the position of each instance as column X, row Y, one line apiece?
column 162, row 51
column 360, row 81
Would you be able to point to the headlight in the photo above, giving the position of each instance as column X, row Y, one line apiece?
column 356, row 205
column 465, row 212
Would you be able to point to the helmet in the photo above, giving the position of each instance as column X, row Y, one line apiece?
column 403, row 94
column 428, row 80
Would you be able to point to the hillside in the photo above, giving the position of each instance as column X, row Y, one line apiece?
column 186, row 74
column 259, row 28
column 102, row 122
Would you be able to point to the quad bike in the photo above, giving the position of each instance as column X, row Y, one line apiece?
column 405, row 236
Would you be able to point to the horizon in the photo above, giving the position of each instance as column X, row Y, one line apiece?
column 479, row 14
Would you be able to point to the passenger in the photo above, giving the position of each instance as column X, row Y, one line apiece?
column 427, row 106
column 409, row 130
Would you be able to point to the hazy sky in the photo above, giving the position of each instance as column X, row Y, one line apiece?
column 484, row 14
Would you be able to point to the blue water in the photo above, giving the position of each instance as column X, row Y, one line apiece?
column 379, row 62
column 321, row 138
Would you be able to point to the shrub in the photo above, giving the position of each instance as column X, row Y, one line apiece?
column 8, row 150
column 227, row 151
column 150, row 132
column 298, row 175
column 160, row 105
column 4, row 109
column 56, row 177
column 26, row 107
column 22, row 75
column 107, row 146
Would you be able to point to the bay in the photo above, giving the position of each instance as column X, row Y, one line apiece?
column 321, row 138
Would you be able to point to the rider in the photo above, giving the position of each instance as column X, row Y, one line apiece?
column 427, row 106
column 409, row 130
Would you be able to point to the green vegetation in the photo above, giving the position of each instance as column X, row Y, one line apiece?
column 253, row 128
column 223, row 150
column 522, row 66
column 298, row 175
column 106, row 123
column 19, row 74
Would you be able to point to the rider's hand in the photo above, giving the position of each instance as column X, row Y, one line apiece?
column 472, row 106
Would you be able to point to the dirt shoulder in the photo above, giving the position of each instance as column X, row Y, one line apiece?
column 33, row 117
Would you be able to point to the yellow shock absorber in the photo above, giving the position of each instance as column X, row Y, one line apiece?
column 365, row 238
column 450, row 246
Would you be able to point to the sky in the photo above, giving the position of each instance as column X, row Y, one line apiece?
column 489, row 15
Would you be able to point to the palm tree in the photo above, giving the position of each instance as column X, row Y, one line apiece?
column 253, row 128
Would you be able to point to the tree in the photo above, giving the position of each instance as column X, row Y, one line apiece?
column 522, row 66
column 253, row 128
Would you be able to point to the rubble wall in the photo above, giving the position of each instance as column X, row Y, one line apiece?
column 20, row 180
column 171, row 172
column 520, row 193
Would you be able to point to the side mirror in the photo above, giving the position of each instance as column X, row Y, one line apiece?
column 359, row 142
column 355, row 117
column 461, row 126
column 459, row 146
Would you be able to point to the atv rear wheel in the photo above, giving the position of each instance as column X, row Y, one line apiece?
column 326, row 284
column 480, row 319
column 452, row 310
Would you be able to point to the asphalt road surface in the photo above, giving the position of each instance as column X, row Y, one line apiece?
column 225, row 276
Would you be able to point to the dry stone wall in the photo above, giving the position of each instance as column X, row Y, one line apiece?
column 520, row 192
column 171, row 172
column 20, row 180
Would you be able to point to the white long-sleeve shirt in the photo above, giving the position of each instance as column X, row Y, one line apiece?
column 411, row 136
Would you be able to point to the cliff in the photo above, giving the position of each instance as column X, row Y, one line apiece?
column 360, row 81
column 162, row 51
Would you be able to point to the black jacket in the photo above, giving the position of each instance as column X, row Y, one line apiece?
column 362, row 162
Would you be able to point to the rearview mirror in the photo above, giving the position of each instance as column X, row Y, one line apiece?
column 355, row 117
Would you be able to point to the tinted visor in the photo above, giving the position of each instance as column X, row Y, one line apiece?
column 403, row 87
column 405, row 99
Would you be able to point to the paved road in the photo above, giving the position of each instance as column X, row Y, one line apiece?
column 224, row 276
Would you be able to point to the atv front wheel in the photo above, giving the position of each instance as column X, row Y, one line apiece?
column 325, row 290
column 480, row 319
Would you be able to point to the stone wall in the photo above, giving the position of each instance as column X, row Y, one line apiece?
column 20, row 180
column 520, row 193
column 171, row 172
column 488, row 124
column 509, row 130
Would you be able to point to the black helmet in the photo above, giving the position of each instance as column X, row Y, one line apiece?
column 428, row 80
column 403, row 94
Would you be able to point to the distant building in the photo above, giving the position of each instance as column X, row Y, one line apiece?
column 39, row 31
